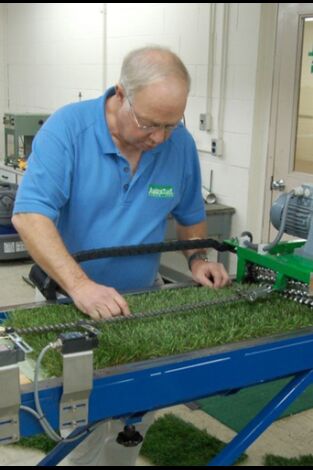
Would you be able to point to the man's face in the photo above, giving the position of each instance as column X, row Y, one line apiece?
column 148, row 118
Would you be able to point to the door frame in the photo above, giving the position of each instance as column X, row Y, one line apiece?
column 276, row 94
column 257, row 213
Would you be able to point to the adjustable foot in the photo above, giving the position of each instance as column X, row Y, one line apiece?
column 129, row 437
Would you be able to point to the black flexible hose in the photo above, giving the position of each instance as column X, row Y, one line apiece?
column 48, row 287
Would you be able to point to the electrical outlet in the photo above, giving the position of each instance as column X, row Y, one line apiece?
column 217, row 147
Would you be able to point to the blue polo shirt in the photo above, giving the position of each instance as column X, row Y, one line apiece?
column 77, row 177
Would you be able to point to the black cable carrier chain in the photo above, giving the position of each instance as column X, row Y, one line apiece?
column 133, row 250
column 49, row 288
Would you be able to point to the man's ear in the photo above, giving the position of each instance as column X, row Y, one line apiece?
column 119, row 92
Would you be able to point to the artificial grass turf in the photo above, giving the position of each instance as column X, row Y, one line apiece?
column 141, row 339
column 171, row 442
column 238, row 409
column 39, row 442
column 278, row 461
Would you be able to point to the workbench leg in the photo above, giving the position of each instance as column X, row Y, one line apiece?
column 263, row 420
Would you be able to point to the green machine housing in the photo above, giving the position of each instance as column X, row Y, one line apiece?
column 282, row 260
column 292, row 260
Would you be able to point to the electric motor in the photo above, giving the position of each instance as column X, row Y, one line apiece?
column 299, row 213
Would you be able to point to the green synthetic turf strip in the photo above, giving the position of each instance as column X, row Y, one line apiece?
column 236, row 410
column 140, row 339
column 277, row 461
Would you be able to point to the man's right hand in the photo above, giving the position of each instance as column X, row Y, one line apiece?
column 47, row 249
column 98, row 301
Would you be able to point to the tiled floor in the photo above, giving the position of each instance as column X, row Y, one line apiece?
column 13, row 288
column 288, row 437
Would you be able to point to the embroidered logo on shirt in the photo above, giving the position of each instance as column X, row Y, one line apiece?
column 157, row 190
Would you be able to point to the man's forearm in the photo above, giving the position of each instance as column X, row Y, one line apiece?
column 210, row 274
column 46, row 247
column 197, row 231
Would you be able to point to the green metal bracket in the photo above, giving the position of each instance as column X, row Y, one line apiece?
column 281, row 259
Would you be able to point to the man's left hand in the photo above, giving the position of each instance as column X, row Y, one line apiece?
column 209, row 274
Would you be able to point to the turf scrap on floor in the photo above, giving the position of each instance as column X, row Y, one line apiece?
column 278, row 461
column 172, row 442
column 238, row 409
column 39, row 442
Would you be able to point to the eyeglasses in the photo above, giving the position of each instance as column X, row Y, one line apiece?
column 155, row 127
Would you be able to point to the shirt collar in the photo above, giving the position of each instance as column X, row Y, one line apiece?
column 103, row 134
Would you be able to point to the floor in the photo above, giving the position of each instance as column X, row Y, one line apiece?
column 13, row 288
column 288, row 437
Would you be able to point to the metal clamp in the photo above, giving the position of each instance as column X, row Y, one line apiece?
column 255, row 294
column 10, row 396
column 77, row 379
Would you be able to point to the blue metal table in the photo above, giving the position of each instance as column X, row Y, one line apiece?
column 133, row 389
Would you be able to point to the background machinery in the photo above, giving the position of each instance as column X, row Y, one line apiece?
column 19, row 132
column 11, row 246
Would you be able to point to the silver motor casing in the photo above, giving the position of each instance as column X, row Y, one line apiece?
column 299, row 219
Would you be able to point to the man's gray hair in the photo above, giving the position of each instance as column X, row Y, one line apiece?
column 146, row 65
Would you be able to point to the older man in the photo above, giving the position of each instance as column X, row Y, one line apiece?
column 109, row 172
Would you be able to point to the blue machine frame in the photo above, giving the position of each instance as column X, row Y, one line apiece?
column 134, row 389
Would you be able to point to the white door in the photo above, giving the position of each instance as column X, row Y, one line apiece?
column 291, row 142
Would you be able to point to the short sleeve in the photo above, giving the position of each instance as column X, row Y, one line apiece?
column 46, row 185
column 190, row 209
